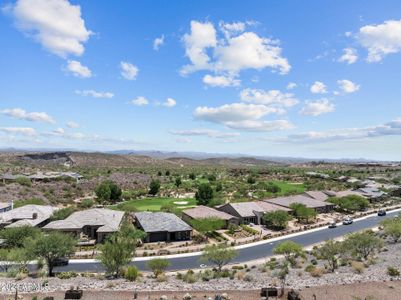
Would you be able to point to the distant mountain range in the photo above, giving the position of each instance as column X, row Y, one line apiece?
column 198, row 155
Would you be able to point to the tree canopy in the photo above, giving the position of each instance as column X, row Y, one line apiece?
column 277, row 220
column 350, row 203
column 362, row 244
column 290, row 250
column 207, row 225
column 154, row 187
column 219, row 255
column 108, row 191
column 303, row 213
column 204, row 194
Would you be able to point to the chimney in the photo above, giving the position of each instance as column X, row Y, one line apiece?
column 34, row 216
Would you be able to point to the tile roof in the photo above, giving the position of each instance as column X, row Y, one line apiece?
column 318, row 195
column 24, row 215
column 247, row 209
column 160, row 222
column 109, row 220
column 307, row 201
column 203, row 212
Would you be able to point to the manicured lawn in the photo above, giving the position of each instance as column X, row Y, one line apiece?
column 154, row 204
column 288, row 187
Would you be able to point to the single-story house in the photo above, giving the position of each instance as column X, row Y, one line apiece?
column 204, row 212
column 250, row 212
column 162, row 227
column 95, row 223
column 371, row 193
column 318, row 205
column 27, row 215
column 317, row 195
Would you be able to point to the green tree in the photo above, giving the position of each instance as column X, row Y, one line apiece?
column 329, row 252
column 118, row 250
column 62, row 213
column 178, row 182
column 251, row 180
column 204, row 194
column 392, row 227
column 290, row 250
column 158, row 265
column 271, row 187
column 303, row 213
column 154, row 187
column 219, row 187
column 108, row 191
column 51, row 247
column 207, row 225
column 15, row 236
column 351, row 203
column 168, row 173
column 362, row 244
column 277, row 220
column 219, row 255
column 192, row 176
column 7, row 259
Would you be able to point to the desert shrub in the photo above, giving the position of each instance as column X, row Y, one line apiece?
column 161, row 278
column 358, row 267
column 86, row 203
column 248, row 278
column 131, row 273
column 24, row 181
column 391, row 271
column 309, row 268
column 316, row 272
column 66, row 275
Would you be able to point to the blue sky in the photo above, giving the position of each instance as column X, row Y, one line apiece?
column 315, row 79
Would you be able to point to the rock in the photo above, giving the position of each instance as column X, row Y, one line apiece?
column 164, row 297
column 187, row 296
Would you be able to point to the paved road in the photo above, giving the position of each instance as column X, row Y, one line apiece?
column 249, row 253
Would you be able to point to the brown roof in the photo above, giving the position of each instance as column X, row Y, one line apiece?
column 203, row 212
column 247, row 209
column 318, row 195
column 307, row 201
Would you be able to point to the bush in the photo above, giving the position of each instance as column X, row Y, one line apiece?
column 391, row 271
column 24, row 181
column 131, row 273
column 35, row 201
column 309, row 268
column 358, row 267
column 249, row 229
column 86, row 203
column 66, row 275
column 248, row 278
column 158, row 265
column 316, row 272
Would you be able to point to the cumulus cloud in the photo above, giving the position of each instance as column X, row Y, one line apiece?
column 291, row 86
column 268, row 97
column 221, row 81
column 78, row 70
column 242, row 116
column 170, row 102
column 56, row 24
column 318, row 87
column 139, row 101
column 94, row 94
column 316, row 108
column 205, row 132
column 231, row 53
column 72, row 125
column 392, row 128
column 27, row 131
column 158, row 42
column 128, row 70
column 21, row 114
column 347, row 86
column 380, row 40
column 349, row 56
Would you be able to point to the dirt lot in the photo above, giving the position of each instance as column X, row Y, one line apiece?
column 364, row 291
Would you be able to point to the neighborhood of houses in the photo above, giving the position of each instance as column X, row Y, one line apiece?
column 94, row 225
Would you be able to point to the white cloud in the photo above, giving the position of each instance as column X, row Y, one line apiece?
column 349, row 56
column 291, row 86
column 234, row 52
column 56, row 24
column 347, row 86
column 94, row 94
column 27, row 131
column 220, row 81
column 184, row 140
column 128, row 70
column 380, row 40
column 392, row 128
column 242, row 116
column 230, row 29
column 139, row 101
column 78, row 70
column 268, row 97
column 59, row 131
column 318, row 87
column 316, row 108
column 170, row 102
column 203, row 36
column 72, row 125
column 21, row 114
column 205, row 132
column 158, row 42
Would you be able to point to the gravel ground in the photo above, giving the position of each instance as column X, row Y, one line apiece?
column 297, row 279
